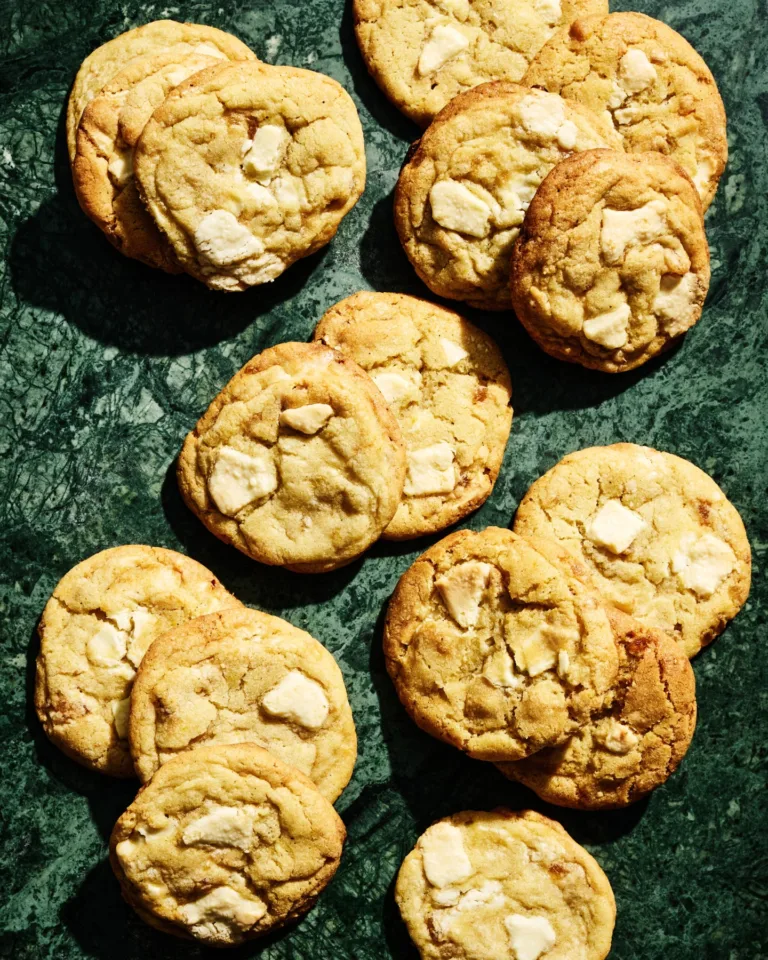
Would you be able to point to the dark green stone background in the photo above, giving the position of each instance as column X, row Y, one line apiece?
column 105, row 365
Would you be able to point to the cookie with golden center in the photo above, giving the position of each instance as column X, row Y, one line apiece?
column 247, row 168
column 100, row 67
column 237, row 676
column 225, row 844
column 100, row 621
column 465, row 186
column 659, row 537
column 504, row 886
column 448, row 385
column 612, row 263
column 647, row 83
column 422, row 53
column 298, row 462
column 495, row 649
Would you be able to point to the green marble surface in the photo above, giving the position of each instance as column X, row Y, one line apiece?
column 105, row 365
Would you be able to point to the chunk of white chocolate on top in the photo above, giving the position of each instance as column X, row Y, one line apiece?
column 540, row 650
column 452, row 352
column 308, row 419
column 443, row 855
column 265, row 152
column 238, row 478
column 549, row 10
column 541, row 114
column 444, row 43
column 221, row 827
column 609, row 329
column 616, row 737
column 397, row 385
column 430, row 470
column 222, row 240
column 529, row 937
column 675, row 300
column 121, row 712
column 455, row 207
column 107, row 647
column 703, row 563
column 223, row 911
column 627, row 228
column 614, row 526
column 462, row 589
column 298, row 699
column 636, row 72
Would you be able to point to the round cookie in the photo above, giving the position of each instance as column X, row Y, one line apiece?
column 658, row 536
column 648, row 83
column 637, row 743
column 612, row 263
column 495, row 649
column 94, row 631
column 244, row 676
column 247, row 168
column 225, row 844
column 99, row 67
column 298, row 462
column 448, row 385
column 465, row 186
column 423, row 53
column 504, row 886
column 106, row 136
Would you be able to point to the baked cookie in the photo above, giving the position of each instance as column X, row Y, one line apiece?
column 504, row 886
column 636, row 743
column 99, row 67
column 244, row 676
column 422, row 53
column 94, row 631
column 448, row 385
column 247, row 168
column 658, row 536
column 648, row 83
column 106, row 136
column 495, row 649
column 225, row 844
column 465, row 186
column 298, row 462
column 612, row 263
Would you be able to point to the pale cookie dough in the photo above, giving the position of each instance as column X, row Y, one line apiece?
column 465, row 187
column 495, row 649
column 648, row 83
column 447, row 384
column 612, row 263
column 94, row 631
column 504, row 886
column 298, row 462
column 247, row 168
column 422, row 53
column 658, row 536
column 225, row 844
column 243, row 676
column 99, row 67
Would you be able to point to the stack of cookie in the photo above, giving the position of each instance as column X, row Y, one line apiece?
column 191, row 155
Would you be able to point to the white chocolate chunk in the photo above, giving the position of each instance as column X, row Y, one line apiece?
column 500, row 671
column 617, row 96
column 456, row 207
column 266, row 152
column 222, row 240
column 397, row 386
column 121, row 711
column 563, row 664
column 452, row 352
column 542, row 114
column 462, row 589
column 307, row 419
column 107, row 647
column 626, row 228
column 514, row 196
column 298, row 699
column 221, row 827
column 445, row 898
column 490, row 894
column 539, row 651
column 430, row 470
column 636, row 72
column 121, row 167
column 238, row 479
column 459, row 8
column 703, row 563
column 567, row 134
column 529, row 937
column 617, row 737
column 221, row 912
column 675, row 298
column 443, row 855
column 287, row 194
column 444, row 43
column 549, row 10
column 609, row 329
column 614, row 526
column 705, row 170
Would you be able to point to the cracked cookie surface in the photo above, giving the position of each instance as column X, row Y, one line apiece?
column 494, row 649
column 612, row 263
column 422, row 53
column 247, row 168
column 448, row 386
column 659, row 537
column 298, row 462
column 647, row 83
column 244, row 676
column 464, row 189
column 225, row 844
column 504, row 886
column 94, row 631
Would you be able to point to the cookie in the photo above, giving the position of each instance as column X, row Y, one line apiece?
column 649, row 85
column 465, row 187
column 298, row 462
column 448, row 385
column 99, row 67
column 106, row 136
column 425, row 52
column 225, row 844
column 247, row 168
column 94, row 631
column 612, row 263
column 659, row 537
column 504, row 886
column 496, row 650
column 244, row 676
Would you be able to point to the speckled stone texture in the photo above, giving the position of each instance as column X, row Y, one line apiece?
column 105, row 366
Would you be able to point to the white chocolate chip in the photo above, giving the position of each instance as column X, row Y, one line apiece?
column 456, row 207
column 266, row 152
column 443, row 855
column 107, row 647
column 462, row 589
column 617, row 737
column 529, row 937
column 238, row 479
column 396, row 386
column 287, row 194
column 626, row 228
column 703, row 563
column 615, row 526
column 636, row 72
column 705, row 170
column 221, row 827
column 445, row 898
column 490, row 894
column 542, row 114
column 549, row 10
column 452, row 352
column 121, row 167
column 567, row 135
column 222, row 240
column 221, row 913
column 444, row 43
column 121, row 711
column 514, row 196
column 500, row 671
column 539, row 651
column 563, row 664
column 430, row 470
column 675, row 299
column 459, row 8
column 299, row 699
column 617, row 96
column 609, row 329
column 307, row 419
